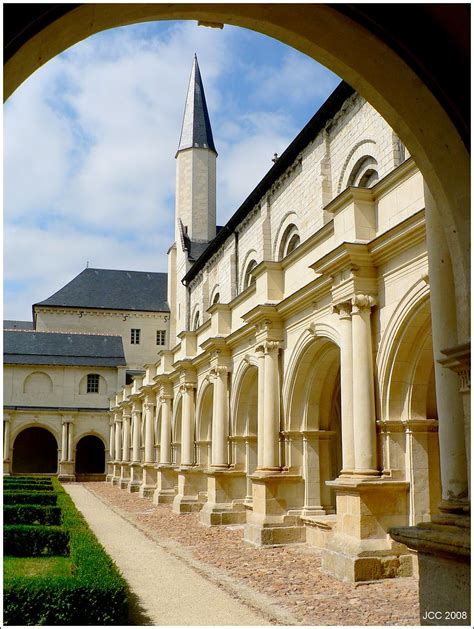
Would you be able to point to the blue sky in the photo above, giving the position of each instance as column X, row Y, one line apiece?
column 90, row 140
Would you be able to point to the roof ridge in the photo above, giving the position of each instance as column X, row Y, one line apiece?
column 61, row 332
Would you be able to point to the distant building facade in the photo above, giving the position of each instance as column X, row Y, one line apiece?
column 295, row 392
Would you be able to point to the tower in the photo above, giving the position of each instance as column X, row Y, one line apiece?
column 195, row 207
column 196, row 166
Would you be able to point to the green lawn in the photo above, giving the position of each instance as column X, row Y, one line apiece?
column 36, row 567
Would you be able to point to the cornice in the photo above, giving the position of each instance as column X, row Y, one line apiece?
column 406, row 234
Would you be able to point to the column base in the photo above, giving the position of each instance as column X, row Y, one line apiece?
column 66, row 472
column 274, row 497
column 444, row 557
column 192, row 490
column 355, row 545
column 226, row 491
column 124, row 476
column 135, row 478
column 166, row 484
column 148, row 486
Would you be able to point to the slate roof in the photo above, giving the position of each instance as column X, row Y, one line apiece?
column 9, row 324
column 22, row 347
column 113, row 290
column 196, row 130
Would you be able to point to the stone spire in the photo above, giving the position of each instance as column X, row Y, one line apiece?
column 196, row 131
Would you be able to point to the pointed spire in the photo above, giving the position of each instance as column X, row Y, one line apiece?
column 196, row 131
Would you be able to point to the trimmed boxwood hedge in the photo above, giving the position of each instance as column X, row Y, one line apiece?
column 96, row 594
column 28, row 487
column 30, row 497
column 32, row 514
column 23, row 540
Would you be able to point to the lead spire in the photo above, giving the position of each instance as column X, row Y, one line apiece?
column 196, row 131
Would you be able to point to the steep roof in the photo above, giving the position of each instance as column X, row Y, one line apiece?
column 113, row 290
column 317, row 123
column 8, row 324
column 196, row 130
column 23, row 347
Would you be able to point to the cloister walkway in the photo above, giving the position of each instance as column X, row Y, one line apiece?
column 183, row 573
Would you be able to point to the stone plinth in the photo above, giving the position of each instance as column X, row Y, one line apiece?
column 135, row 477
column 66, row 472
column 444, row 555
column 148, row 485
column 273, row 496
column 192, row 490
column 226, row 490
column 166, row 484
column 359, row 548
column 124, row 475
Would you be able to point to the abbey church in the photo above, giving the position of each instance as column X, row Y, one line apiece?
column 281, row 375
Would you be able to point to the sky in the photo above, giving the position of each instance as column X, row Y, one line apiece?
column 90, row 142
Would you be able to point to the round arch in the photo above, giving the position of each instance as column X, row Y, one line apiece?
column 328, row 34
column 35, row 451
column 90, row 455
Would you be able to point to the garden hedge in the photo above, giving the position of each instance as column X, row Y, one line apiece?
column 23, row 540
column 96, row 594
column 29, row 497
column 28, row 487
column 31, row 514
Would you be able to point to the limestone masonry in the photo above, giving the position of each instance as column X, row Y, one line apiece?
column 282, row 374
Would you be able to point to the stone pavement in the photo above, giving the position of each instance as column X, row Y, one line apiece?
column 284, row 584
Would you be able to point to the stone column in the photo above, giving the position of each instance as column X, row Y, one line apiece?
column 6, row 446
column 69, row 441
column 311, row 475
column 187, row 425
column 111, row 439
column 165, row 435
column 452, row 442
column 64, row 442
column 271, row 407
column 136, row 413
column 118, row 437
column 6, row 439
column 220, row 418
column 149, row 432
column 363, row 388
column 260, row 402
column 126, row 438
column 347, row 420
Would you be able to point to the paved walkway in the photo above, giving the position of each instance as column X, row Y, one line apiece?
column 168, row 591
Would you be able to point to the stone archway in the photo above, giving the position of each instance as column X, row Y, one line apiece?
column 90, row 456
column 363, row 46
column 35, row 451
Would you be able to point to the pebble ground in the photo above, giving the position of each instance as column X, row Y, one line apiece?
column 289, row 576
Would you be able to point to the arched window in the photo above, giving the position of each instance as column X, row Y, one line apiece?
column 364, row 173
column 92, row 383
column 216, row 298
column 248, row 277
column 196, row 321
column 289, row 241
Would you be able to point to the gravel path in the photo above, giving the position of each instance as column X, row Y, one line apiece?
column 167, row 591
column 285, row 584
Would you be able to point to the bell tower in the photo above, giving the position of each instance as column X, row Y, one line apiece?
column 196, row 166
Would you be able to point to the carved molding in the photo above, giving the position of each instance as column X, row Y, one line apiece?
column 361, row 303
column 343, row 309
column 184, row 387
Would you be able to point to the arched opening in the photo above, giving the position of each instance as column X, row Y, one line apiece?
column 176, row 433
column 35, row 451
column 364, row 174
column 313, row 444
column 90, row 455
column 249, row 278
column 290, row 240
column 204, row 427
column 244, row 438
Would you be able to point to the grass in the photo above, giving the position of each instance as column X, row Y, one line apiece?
column 37, row 567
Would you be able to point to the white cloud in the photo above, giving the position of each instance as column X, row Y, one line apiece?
column 90, row 141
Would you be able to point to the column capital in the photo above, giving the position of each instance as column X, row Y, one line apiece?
column 148, row 406
column 164, row 397
column 186, row 386
column 268, row 346
column 343, row 309
column 458, row 359
column 361, row 303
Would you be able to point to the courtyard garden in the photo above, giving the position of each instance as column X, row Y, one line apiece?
column 55, row 571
